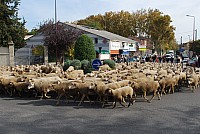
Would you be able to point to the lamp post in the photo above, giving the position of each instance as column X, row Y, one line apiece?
column 189, row 38
column 193, row 32
column 56, row 33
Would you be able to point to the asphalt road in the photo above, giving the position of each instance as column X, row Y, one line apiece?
column 177, row 113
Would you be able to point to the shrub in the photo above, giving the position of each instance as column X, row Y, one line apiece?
column 109, row 62
column 66, row 65
column 84, row 48
column 76, row 64
column 86, row 66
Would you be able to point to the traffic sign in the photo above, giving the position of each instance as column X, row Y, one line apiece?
column 96, row 64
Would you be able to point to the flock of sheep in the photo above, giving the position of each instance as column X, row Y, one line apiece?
column 123, row 83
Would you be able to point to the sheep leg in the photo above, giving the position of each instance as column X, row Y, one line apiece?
column 120, row 101
column 45, row 95
column 130, row 101
column 154, row 94
column 81, row 100
column 158, row 94
column 77, row 96
column 163, row 91
column 134, row 97
column 122, row 104
column 88, row 99
column 59, row 96
column 124, row 101
column 192, row 88
column 145, row 97
column 114, row 104
column 103, row 103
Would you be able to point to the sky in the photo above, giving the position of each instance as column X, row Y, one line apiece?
column 37, row 11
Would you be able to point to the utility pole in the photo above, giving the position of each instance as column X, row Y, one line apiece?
column 56, row 33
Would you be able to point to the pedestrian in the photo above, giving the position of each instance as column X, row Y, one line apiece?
column 172, row 59
column 198, row 60
column 197, row 63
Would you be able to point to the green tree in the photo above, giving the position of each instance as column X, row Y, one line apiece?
column 84, row 48
column 11, row 26
column 150, row 23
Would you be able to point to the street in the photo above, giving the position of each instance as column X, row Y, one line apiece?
column 177, row 113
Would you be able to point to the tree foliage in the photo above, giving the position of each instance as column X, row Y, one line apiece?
column 149, row 23
column 12, row 27
column 84, row 48
column 59, row 38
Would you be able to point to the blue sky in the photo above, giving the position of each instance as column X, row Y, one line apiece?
column 36, row 11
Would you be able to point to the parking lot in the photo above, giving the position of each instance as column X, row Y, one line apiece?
column 173, row 114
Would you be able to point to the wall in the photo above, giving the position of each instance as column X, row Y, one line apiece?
column 4, row 56
column 7, row 56
column 102, row 42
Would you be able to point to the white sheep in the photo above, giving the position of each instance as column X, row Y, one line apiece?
column 120, row 94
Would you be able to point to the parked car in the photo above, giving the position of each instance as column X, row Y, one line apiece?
column 132, row 59
column 192, row 62
column 185, row 58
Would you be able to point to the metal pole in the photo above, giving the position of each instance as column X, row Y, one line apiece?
column 193, row 33
column 56, row 32
column 189, row 38
column 193, row 36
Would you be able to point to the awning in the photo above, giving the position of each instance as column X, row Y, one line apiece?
column 114, row 51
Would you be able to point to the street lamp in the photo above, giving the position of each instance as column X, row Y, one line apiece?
column 56, row 33
column 193, row 32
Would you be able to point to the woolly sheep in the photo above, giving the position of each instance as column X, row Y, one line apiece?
column 120, row 94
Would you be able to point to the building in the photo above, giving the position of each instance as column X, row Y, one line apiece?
column 107, row 44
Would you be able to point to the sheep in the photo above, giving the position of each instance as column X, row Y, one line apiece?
column 70, row 69
column 146, row 87
column 124, row 83
column 84, row 88
column 74, row 75
column 5, row 81
column 43, row 85
column 120, row 94
column 18, row 87
column 165, row 83
column 193, row 81
column 62, row 88
column 104, row 68
column 101, row 89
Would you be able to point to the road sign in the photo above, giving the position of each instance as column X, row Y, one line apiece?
column 96, row 64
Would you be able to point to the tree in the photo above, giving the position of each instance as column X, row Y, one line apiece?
column 12, row 27
column 59, row 38
column 84, row 48
column 150, row 23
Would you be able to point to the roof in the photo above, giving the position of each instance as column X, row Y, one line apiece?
column 102, row 33
column 27, row 37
